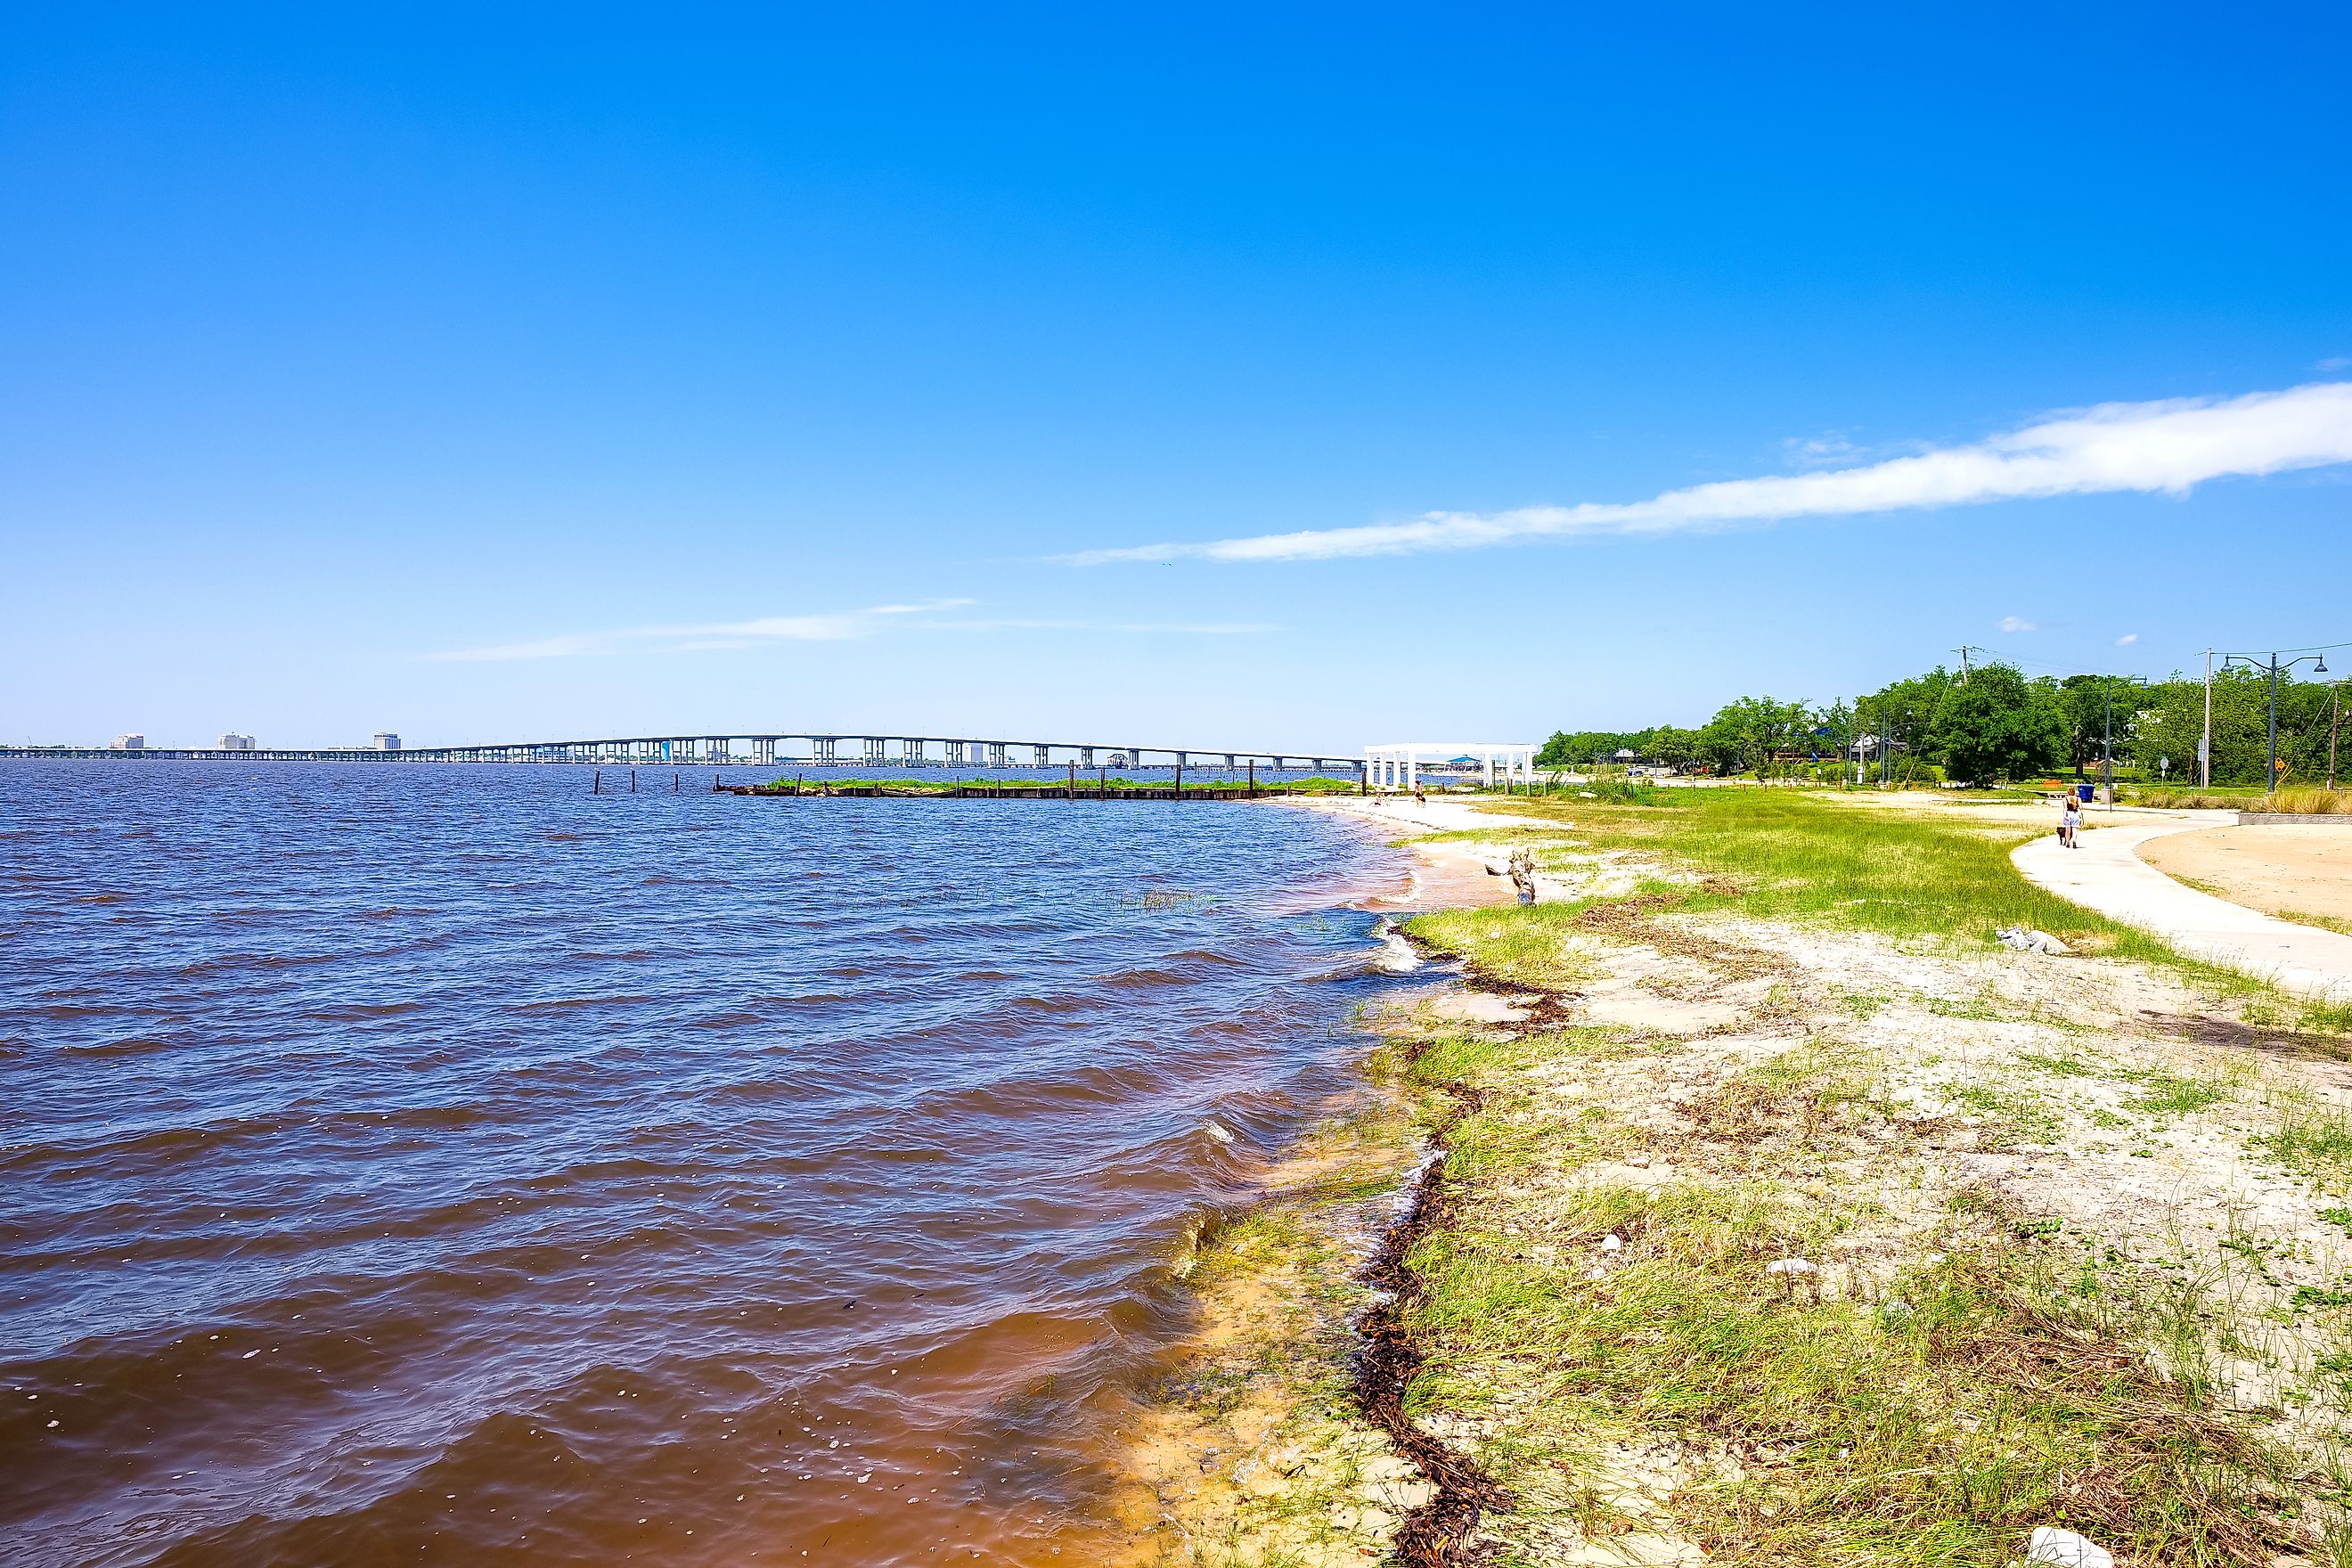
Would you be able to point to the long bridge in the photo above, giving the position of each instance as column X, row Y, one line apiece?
column 865, row 751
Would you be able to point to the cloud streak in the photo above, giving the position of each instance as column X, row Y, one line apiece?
column 2167, row 447
column 732, row 637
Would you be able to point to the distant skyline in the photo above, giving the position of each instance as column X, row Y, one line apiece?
column 1295, row 378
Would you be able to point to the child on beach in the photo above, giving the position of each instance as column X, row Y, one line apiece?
column 2069, row 819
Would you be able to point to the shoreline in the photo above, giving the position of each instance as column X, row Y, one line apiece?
column 1824, row 1127
column 1335, row 1466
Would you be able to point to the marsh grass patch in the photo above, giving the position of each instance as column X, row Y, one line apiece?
column 1935, row 1422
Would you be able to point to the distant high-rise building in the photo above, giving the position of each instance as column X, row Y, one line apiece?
column 130, row 743
column 385, row 740
column 233, row 741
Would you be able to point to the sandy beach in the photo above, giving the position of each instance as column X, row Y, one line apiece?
column 1653, row 1107
column 2294, row 870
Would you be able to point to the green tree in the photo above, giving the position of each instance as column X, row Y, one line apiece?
column 1568, row 749
column 1900, row 713
column 1835, row 727
column 1670, row 747
column 2082, row 700
column 1998, row 725
column 1745, row 734
column 2175, row 719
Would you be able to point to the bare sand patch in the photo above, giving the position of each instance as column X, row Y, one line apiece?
column 2293, row 869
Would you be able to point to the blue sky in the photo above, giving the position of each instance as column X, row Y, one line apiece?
column 784, row 370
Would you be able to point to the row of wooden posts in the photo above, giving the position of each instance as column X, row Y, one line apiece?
column 676, row 782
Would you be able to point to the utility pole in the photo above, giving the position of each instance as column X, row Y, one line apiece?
column 2270, row 665
column 1963, row 651
column 2335, row 715
column 2205, row 745
column 2108, row 762
column 2270, row 779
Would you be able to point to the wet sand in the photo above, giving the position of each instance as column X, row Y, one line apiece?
column 1447, row 875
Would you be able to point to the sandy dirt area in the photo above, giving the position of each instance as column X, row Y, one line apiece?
column 2291, row 869
column 1471, row 872
column 1905, row 1102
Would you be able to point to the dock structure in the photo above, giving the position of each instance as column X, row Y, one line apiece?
column 868, row 752
column 1398, row 765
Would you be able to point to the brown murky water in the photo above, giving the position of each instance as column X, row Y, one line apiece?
column 447, row 1165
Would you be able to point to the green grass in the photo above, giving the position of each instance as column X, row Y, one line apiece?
column 1799, row 855
column 2008, row 1115
column 1933, row 1425
column 1938, row 1432
column 1538, row 945
column 2326, row 923
column 2169, row 1094
column 1810, row 857
column 2314, row 1142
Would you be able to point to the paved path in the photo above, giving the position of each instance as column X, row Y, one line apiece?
column 2106, row 876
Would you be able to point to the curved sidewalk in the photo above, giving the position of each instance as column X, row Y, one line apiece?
column 2105, row 875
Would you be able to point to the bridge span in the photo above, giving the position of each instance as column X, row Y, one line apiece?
column 847, row 750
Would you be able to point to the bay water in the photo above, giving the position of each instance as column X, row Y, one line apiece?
column 435, row 1164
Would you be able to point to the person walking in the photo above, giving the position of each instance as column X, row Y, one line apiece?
column 2069, row 819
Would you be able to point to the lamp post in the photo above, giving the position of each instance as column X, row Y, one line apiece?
column 2334, row 717
column 2107, row 747
column 2270, row 782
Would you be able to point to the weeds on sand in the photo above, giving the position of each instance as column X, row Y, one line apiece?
column 1790, row 1099
column 1936, row 1424
column 2314, row 1141
column 1542, row 947
column 2325, row 923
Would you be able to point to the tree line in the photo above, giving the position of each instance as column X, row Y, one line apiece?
column 1991, row 723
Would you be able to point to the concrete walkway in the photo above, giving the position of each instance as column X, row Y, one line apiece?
column 2105, row 875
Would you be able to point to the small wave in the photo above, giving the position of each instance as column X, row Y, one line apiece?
column 364, row 1010
column 63, row 1011
column 572, row 1003
column 1133, row 979
column 1049, row 1005
column 233, row 961
column 1397, row 955
column 129, row 1048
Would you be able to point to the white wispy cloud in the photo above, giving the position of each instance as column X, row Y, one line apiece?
column 2167, row 447
column 727, row 637
column 2017, row 623
column 711, row 636
column 2127, row 639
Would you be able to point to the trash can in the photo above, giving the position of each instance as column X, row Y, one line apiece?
column 2084, row 791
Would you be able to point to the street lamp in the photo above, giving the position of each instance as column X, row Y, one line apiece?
column 2252, row 661
column 2107, row 748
